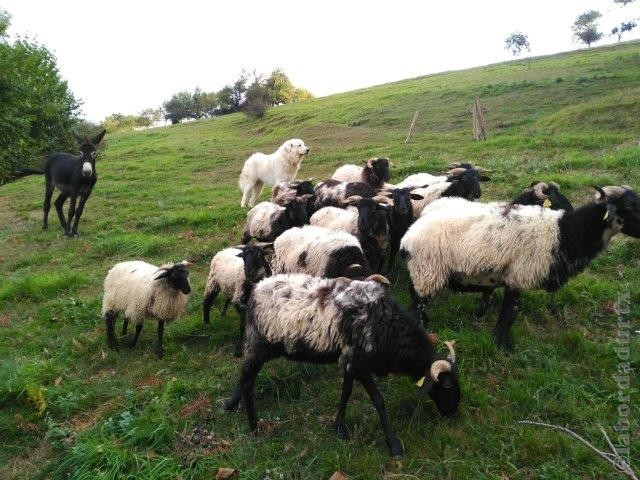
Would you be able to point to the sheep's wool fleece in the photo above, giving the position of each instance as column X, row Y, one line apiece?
column 335, row 218
column 348, row 173
column 430, row 194
column 227, row 274
column 260, row 219
column 420, row 179
column 131, row 288
column 313, row 244
column 516, row 244
column 300, row 310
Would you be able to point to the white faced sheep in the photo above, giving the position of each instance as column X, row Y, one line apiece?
column 333, row 193
column 233, row 272
column 516, row 247
column 367, row 220
column 140, row 290
column 420, row 179
column 267, row 220
column 319, row 252
column 271, row 169
column 354, row 323
column 374, row 173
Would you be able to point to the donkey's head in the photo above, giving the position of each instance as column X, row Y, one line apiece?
column 88, row 147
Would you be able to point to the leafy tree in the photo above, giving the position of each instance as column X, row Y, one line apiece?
column 179, row 107
column 624, row 27
column 257, row 100
column 37, row 109
column 281, row 90
column 205, row 103
column 149, row 116
column 231, row 97
column 585, row 28
column 516, row 43
column 623, row 2
column 5, row 21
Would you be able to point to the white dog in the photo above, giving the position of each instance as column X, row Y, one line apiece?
column 279, row 166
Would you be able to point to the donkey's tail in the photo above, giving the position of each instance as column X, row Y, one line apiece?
column 24, row 172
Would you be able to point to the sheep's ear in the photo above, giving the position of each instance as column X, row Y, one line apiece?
column 264, row 245
column 535, row 182
column 415, row 196
column 186, row 263
column 352, row 200
column 162, row 274
column 484, row 178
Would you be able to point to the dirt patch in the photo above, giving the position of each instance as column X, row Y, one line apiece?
column 201, row 406
column 149, row 382
column 5, row 320
column 200, row 442
column 85, row 420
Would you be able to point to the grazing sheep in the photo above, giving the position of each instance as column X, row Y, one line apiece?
column 140, row 290
column 233, row 271
column 333, row 193
column 354, row 323
column 423, row 179
column 545, row 195
column 267, row 220
column 271, row 169
column 319, row 252
column 366, row 219
column 512, row 246
column 375, row 173
column 284, row 192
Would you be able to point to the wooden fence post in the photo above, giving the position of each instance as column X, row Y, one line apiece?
column 413, row 122
column 479, row 127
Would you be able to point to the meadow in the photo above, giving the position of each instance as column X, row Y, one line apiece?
column 71, row 408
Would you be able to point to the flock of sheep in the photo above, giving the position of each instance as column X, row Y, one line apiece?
column 307, row 280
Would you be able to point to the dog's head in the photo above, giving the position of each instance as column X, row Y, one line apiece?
column 295, row 146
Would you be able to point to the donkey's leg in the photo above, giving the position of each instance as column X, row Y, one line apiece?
column 59, row 203
column 83, row 200
column 72, row 213
column 48, row 193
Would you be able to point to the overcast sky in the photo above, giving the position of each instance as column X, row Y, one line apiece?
column 124, row 56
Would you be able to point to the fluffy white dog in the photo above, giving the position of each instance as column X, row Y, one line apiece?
column 279, row 166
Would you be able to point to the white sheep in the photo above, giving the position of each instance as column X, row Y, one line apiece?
column 374, row 173
column 473, row 245
column 140, row 290
column 267, row 220
column 320, row 252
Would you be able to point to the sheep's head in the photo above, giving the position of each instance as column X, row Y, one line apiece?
column 401, row 199
column 622, row 206
column 441, row 383
column 256, row 266
column 465, row 183
column 296, row 210
column 379, row 167
column 176, row 275
column 545, row 195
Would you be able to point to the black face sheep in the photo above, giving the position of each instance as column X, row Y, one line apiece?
column 267, row 220
column 366, row 220
column 234, row 271
column 545, row 195
column 140, row 290
column 354, row 323
column 374, row 173
column 332, row 193
column 516, row 247
column 319, row 252
column 284, row 192
column 419, row 179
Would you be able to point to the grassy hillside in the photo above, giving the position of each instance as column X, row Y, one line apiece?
column 71, row 408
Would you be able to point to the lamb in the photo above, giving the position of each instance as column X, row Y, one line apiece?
column 284, row 192
column 234, row 271
column 333, row 193
column 273, row 168
column 267, row 220
column 354, row 323
column 319, row 252
column 512, row 246
column 140, row 290
column 375, row 172
column 366, row 219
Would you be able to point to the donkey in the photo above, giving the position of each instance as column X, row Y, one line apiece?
column 73, row 176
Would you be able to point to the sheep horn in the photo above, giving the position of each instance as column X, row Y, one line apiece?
column 370, row 162
column 627, row 187
column 455, row 165
column 538, row 190
column 456, row 171
column 438, row 367
column 614, row 191
column 554, row 184
column 383, row 199
column 482, row 170
column 601, row 195
column 186, row 263
column 452, row 352
column 376, row 277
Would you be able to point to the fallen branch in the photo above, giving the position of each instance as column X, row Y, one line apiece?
column 613, row 458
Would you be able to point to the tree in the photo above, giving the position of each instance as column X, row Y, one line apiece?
column 281, row 90
column 231, row 97
column 150, row 116
column 585, row 28
column 5, row 21
column 624, row 27
column 257, row 101
column 623, row 2
column 516, row 43
column 179, row 107
column 205, row 103
column 37, row 109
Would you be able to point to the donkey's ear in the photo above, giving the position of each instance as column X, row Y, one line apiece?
column 98, row 138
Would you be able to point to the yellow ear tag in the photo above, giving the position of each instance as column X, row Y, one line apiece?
column 546, row 203
column 606, row 215
column 420, row 382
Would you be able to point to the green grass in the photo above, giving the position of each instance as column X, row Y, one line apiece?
column 70, row 408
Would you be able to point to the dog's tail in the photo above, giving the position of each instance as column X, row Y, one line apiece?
column 242, row 179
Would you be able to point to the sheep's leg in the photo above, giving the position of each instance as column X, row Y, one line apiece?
column 508, row 315
column 243, row 319
column 110, row 322
column 418, row 305
column 125, row 324
column 347, row 386
column 393, row 442
column 135, row 337
column 159, row 347
column 250, row 370
column 485, row 302
column 209, row 297
column 225, row 306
